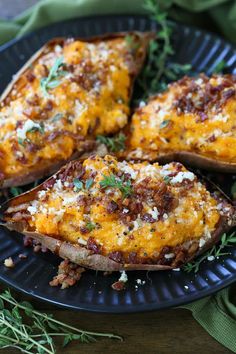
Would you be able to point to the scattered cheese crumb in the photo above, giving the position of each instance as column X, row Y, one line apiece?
column 169, row 255
column 181, row 176
column 29, row 124
column 123, row 277
column 210, row 258
column 9, row 263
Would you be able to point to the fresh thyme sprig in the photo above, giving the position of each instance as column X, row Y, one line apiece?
column 233, row 190
column 215, row 251
column 117, row 143
column 220, row 67
column 112, row 181
column 15, row 191
column 159, row 69
column 53, row 78
column 36, row 334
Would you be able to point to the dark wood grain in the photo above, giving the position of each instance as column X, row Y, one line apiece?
column 159, row 332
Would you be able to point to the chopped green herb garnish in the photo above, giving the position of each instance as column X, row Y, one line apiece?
column 89, row 183
column 114, row 182
column 54, row 77
column 159, row 69
column 117, row 143
column 164, row 123
column 216, row 251
column 166, row 179
column 78, row 184
column 30, row 331
column 130, row 40
column 233, row 190
column 90, row 226
column 39, row 128
column 219, row 67
column 20, row 141
column 15, row 191
column 57, row 117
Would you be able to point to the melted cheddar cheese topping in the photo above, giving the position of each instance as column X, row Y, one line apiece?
column 124, row 210
column 194, row 114
column 72, row 90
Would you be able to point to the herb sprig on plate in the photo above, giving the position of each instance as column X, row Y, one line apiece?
column 24, row 328
column 159, row 69
column 54, row 77
column 114, row 144
column 215, row 252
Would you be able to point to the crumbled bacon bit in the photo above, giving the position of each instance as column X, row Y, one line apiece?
column 116, row 256
column 30, row 76
column 207, row 95
column 118, row 285
column 49, row 183
column 22, row 256
column 68, row 274
column 93, row 246
column 148, row 218
column 112, row 207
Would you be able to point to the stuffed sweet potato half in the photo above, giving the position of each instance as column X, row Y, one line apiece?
column 67, row 93
column 109, row 215
column 193, row 122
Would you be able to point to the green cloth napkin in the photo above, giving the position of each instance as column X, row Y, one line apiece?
column 217, row 313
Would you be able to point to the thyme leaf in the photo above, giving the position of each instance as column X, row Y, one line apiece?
column 215, row 251
column 233, row 190
column 15, row 191
column 112, row 181
column 54, row 76
column 220, row 67
column 117, row 143
column 30, row 331
column 90, row 226
column 159, row 69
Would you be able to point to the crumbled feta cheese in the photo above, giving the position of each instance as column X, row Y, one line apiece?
column 125, row 210
column 123, row 277
column 69, row 200
column 41, row 194
column 210, row 258
column 181, row 176
column 58, row 185
column 202, row 242
column 9, row 263
column 142, row 104
column 28, row 124
column 169, row 255
column 33, row 208
column 58, row 48
column 79, row 108
column 82, row 241
column 124, row 167
column 154, row 213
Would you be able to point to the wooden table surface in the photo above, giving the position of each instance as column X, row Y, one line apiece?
column 159, row 332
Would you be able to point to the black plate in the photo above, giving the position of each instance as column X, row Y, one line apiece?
column 161, row 289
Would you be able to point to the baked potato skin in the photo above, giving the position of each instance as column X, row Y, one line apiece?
column 193, row 122
column 62, row 98
column 143, row 246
